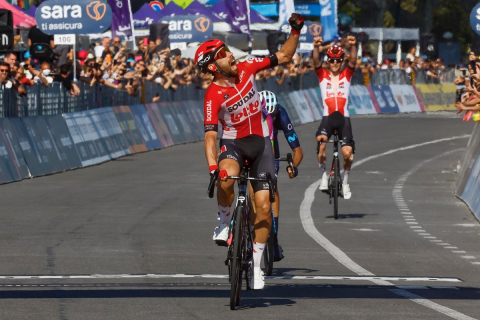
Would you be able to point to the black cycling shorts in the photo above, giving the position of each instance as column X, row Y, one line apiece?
column 258, row 151
column 337, row 122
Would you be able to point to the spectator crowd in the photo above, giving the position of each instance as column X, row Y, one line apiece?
column 110, row 63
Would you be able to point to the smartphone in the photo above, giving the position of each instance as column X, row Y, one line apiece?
column 145, row 41
column 109, row 58
column 123, row 39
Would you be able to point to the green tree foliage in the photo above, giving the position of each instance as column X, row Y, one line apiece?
column 451, row 16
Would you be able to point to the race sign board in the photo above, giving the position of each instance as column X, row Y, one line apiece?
column 309, row 31
column 196, row 28
column 64, row 39
column 475, row 19
column 73, row 17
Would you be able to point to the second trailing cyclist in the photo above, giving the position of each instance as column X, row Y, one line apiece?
column 281, row 121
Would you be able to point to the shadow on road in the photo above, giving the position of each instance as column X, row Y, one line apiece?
column 273, row 294
column 352, row 216
column 288, row 271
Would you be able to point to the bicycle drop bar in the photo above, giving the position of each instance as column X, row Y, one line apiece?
column 268, row 179
column 211, row 185
column 288, row 159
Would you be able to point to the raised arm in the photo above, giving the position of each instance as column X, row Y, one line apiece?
column 317, row 44
column 288, row 49
column 353, row 51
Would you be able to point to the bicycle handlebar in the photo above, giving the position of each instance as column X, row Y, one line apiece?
column 211, row 185
column 268, row 179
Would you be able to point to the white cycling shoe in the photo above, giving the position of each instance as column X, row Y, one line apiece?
column 347, row 194
column 324, row 183
column 258, row 281
column 220, row 235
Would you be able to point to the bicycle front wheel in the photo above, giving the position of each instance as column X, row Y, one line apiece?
column 268, row 254
column 236, row 281
column 336, row 188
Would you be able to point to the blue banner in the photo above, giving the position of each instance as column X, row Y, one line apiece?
column 385, row 99
column 271, row 10
column 475, row 19
column 191, row 28
column 79, row 17
column 328, row 18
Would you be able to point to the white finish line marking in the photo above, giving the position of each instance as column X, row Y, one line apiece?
column 340, row 256
column 222, row 276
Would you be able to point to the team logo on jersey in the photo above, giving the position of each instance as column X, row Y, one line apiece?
column 241, row 76
column 226, row 96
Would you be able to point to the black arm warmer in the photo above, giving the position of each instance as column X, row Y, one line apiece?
column 273, row 61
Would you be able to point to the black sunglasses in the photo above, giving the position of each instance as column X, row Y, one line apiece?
column 335, row 60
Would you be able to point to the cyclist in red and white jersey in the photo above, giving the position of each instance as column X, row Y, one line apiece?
column 233, row 100
column 335, row 89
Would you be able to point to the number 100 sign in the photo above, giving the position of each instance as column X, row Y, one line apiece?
column 64, row 39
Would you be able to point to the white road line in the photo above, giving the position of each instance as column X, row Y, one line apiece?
column 340, row 256
column 356, row 164
column 432, row 305
column 222, row 276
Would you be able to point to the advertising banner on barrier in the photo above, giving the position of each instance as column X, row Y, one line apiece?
column 115, row 132
column 471, row 193
column 286, row 102
column 406, row 98
column 14, row 143
column 84, row 139
column 384, row 97
column 32, row 157
column 182, row 121
column 130, row 129
column 146, row 127
column 437, row 97
column 301, row 105
column 63, row 140
column 168, row 116
column 194, row 111
column 361, row 100
column 37, row 131
column 468, row 160
column 107, row 139
column 314, row 103
column 9, row 170
column 160, row 126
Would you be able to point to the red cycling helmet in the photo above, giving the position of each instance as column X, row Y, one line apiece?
column 335, row 52
column 206, row 53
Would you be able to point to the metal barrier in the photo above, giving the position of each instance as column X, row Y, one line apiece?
column 56, row 100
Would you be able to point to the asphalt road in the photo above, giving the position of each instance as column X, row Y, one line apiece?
column 132, row 238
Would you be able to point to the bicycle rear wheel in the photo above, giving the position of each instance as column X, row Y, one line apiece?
column 268, row 254
column 336, row 187
column 236, row 280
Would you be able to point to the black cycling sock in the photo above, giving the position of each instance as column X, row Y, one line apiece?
column 275, row 238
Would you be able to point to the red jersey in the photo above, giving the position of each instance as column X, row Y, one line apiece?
column 335, row 100
column 237, row 108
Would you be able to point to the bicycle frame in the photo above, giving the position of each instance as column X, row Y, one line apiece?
column 240, row 242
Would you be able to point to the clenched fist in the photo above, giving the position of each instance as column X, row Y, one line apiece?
column 317, row 41
column 351, row 40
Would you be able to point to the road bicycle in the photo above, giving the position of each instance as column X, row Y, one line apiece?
column 268, row 253
column 240, row 241
column 335, row 180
